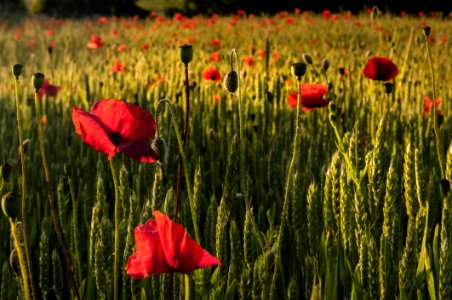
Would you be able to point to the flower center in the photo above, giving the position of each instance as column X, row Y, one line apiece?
column 116, row 138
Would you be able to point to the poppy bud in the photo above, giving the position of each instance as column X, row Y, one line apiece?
column 11, row 205
column 426, row 31
column 389, row 87
column 14, row 261
column 6, row 171
column 50, row 50
column 231, row 82
column 325, row 64
column 25, row 145
column 307, row 58
column 38, row 80
column 440, row 119
column 369, row 53
column 211, row 133
column 445, row 186
column 159, row 147
column 333, row 109
column 17, row 70
column 298, row 69
column 342, row 71
column 186, row 53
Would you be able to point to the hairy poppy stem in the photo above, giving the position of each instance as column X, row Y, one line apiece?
column 115, row 267
column 23, row 268
column 24, row 203
column 433, row 113
column 56, row 227
column 285, row 210
column 184, row 139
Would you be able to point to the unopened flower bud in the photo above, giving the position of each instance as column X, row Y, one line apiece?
column 186, row 53
column 159, row 146
column 212, row 134
column 231, row 82
column 298, row 69
column 325, row 64
column 426, row 31
column 445, row 186
column 17, row 70
column 11, row 205
column 307, row 58
column 14, row 261
column 38, row 80
column 25, row 144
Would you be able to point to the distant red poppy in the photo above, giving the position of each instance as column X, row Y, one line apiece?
column 248, row 61
column 380, row 68
column 145, row 46
column 117, row 67
column 48, row 90
column 275, row 55
column 163, row 246
column 116, row 126
column 96, row 42
column 312, row 97
column 216, row 98
column 326, row 14
column 240, row 12
column 211, row 74
column 122, row 48
column 215, row 56
column 429, row 103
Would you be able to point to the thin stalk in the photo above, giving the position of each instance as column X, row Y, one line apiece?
column 187, row 286
column 53, row 212
column 435, row 123
column 24, row 202
column 23, row 268
column 115, row 267
column 75, row 225
column 184, row 139
column 185, row 167
column 286, row 196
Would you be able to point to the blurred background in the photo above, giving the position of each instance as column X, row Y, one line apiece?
column 192, row 7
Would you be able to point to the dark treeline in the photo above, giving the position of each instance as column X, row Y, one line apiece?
column 192, row 7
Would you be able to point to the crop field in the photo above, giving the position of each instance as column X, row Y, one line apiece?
column 293, row 156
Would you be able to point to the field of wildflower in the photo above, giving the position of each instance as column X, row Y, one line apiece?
column 294, row 156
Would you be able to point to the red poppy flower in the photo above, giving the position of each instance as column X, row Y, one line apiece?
column 248, row 61
column 312, row 97
column 211, row 74
column 118, row 67
column 163, row 246
column 380, row 68
column 48, row 90
column 215, row 57
column 429, row 103
column 116, row 126
column 96, row 42
column 122, row 48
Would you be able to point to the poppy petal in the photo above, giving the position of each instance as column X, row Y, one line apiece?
column 181, row 252
column 132, row 122
column 149, row 257
column 139, row 151
column 92, row 132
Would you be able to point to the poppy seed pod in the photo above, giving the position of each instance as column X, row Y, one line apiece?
column 186, row 53
column 426, row 31
column 17, row 70
column 325, row 64
column 159, row 147
column 298, row 69
column 11, row 205
column 38, row 80
column 307, row 58
column 231, row 82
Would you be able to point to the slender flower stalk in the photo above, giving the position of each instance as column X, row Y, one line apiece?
column 115, row 267
column 38, row 81
column 186, row 55
column 297, row 70
column 23, row 268
column 17, row 70
column 426, row 31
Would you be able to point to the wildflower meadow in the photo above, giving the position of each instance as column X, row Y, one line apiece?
column 299, row 155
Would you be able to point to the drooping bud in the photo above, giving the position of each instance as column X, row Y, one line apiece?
column 307, row 58
column 14, row 261
column 231, row 82
column 159, row 146
column 38, row 81
column 11, row 205
column 17, row 70
column 325, row 64
column 298, row 69
column 186, row 53
column 25, row 144
column 426, row 31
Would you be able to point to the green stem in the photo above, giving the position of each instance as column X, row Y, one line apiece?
column 286, row 196
column 435, row 123
column 185, row 167
column 187, row 286
column 53, row 212
column 115, row 266
column 23, row 268
column 24, row 203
